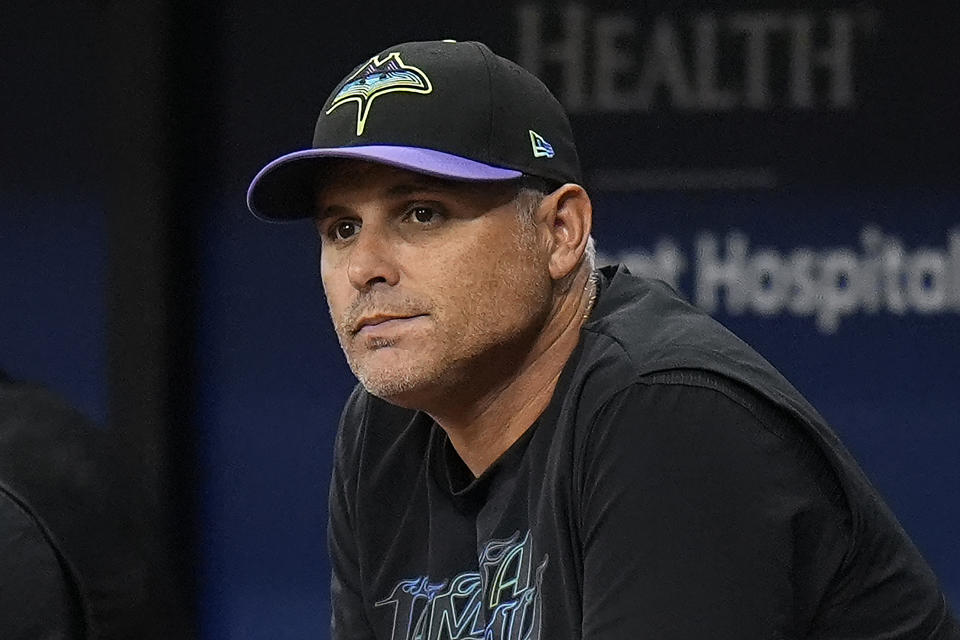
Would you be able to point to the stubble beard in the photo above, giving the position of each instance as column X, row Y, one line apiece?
column 449, row 363
column 386, row 382
column 381, row 381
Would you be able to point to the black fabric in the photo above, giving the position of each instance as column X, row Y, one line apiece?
column 676, row 487
column 37, row 599
column 74, row 529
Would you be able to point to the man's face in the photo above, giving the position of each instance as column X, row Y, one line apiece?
column 432, row 284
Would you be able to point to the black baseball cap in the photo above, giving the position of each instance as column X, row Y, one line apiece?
column 447, row 109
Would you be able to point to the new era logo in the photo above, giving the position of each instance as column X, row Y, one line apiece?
column 541, row 148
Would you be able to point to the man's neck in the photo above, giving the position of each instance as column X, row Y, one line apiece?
column 483, row 427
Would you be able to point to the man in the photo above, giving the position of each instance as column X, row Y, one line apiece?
column 538, row 449
column 78, row 560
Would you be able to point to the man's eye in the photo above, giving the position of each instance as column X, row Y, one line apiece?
column 343, row 229
column 424, row 215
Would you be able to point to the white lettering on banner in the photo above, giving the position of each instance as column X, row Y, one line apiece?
column 707, row 62
column 827, row 284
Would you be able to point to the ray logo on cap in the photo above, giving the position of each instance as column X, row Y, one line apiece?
column 374, row 79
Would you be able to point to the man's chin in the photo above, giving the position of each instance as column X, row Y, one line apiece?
column 403, row 393
column 404, row 386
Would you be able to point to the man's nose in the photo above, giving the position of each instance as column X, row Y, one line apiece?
column 372, row 259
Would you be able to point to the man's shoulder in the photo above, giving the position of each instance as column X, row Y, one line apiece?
column 651, row 327
column 725, row 407
column 646, row 343
column 654, row 399
column 642, row 326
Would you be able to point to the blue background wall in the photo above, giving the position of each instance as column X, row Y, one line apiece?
column 52, row 313
column 52, row 227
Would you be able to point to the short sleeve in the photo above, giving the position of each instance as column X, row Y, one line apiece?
column 700, row 521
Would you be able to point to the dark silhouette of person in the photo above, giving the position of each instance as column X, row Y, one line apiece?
column 79, row 557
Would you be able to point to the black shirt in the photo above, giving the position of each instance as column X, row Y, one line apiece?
column 37, row 598
column 676, row 487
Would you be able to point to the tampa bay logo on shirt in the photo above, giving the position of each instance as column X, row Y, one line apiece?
column 502, row 601
column 376, row 78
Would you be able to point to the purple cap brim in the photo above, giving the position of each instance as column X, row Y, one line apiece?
column 285, row 188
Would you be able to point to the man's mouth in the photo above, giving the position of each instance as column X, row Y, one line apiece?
column 383, row 321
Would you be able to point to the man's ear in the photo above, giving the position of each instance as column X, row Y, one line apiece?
column 567, row 214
